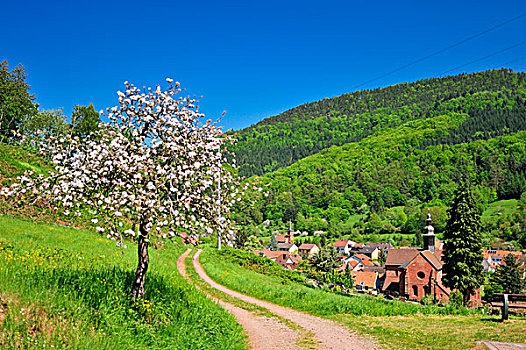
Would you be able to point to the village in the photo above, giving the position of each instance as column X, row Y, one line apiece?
column 406, row 273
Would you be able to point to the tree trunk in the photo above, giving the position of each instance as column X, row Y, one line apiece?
column 142, row 265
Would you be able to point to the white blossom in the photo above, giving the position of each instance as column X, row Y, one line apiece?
column 154, row 160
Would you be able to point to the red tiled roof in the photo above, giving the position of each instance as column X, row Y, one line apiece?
column 432, row 258
column 281, row 239
column 307, row 246
column 367, row 262
column 351, row 262
column 398, row 257
column 280, row 257
column 341, row 243
column 367, row 277
column 500, row 253
column 361, row 256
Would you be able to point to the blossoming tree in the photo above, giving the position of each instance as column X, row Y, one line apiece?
column 154, row 166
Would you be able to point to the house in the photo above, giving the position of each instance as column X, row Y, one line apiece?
column 307, row 250
column 288, row 238
column 365, row 280
column 287, row 247
column 343, row 246
column 381, row 245
column 354, row 265
column 493, row 258
column 371, row 252
column 358, row 262
column 284, row 259
column 384, row 247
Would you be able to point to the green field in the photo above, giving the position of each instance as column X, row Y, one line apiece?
column 67, row 288
column 398, row 325
column 498, row 209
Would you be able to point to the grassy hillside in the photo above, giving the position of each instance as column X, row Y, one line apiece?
column 225, row 267
column 68, row 288
column 14, row 161
column 399, row 325
column 493, row 101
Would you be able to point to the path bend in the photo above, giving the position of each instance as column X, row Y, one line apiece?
column 264, row 333
column 328, row 334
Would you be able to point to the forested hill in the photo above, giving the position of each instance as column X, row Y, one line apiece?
column 392, row 169
column 494, row 102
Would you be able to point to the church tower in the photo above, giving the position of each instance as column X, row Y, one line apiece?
column 429, row 236
column 290, row 238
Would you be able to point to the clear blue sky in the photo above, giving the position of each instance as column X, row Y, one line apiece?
column 252, row 59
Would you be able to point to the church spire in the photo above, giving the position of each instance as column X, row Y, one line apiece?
column 290, row 238
column 429, row 236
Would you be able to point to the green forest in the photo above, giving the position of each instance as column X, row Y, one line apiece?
column 493, row 101
column 402, row 166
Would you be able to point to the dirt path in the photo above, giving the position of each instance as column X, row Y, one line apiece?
column 328, row 334
column 263, row 332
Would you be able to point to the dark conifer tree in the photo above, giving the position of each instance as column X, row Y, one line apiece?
column 463, row 244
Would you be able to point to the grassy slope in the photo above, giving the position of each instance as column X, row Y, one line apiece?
column 284, row 292
column 400, row 325
column 499, row 208
column 69, row 288
column 14, row 161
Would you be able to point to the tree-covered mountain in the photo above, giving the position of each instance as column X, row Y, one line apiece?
column 404, row 166
column 494, row 103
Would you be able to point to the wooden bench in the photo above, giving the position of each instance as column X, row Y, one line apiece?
column 507, row 301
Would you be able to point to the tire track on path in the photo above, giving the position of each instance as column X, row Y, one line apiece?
column 264, row 333
column 329, row 334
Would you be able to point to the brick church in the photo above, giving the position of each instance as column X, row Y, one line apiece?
column 416, row 272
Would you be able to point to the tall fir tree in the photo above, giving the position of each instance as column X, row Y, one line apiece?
column 463, row 245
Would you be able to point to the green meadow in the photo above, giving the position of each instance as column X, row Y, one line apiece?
column 68, row 288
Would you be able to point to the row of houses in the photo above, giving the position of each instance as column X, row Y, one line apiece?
column 409, row 272
column 372, row 250
column 286, row 244
column 414, row 273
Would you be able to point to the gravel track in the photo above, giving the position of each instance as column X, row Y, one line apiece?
column 328, row 334
column 264, row 333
